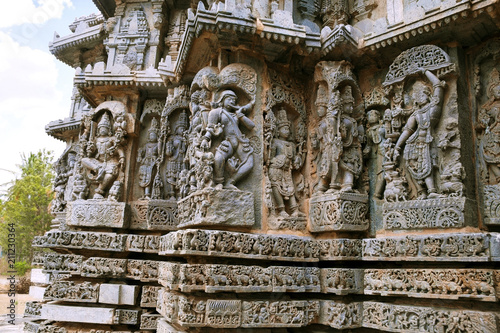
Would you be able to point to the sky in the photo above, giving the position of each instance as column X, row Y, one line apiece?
column 35, row 87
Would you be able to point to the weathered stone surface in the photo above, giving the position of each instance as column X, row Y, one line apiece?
column 39, row 277
column 105, row 241
column 213, row 207
column 78, row 314
column 98, row 213
column 118, row 294
column 491, row 204
column 37, row 292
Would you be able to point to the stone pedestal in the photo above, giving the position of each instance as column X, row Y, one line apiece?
column 154, row 215
column 97, row 213
column 425, row 214
column 287, row 223
column 214, row 207
column 338, row 212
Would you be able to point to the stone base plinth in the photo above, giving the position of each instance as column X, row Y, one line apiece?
column 154, row 215
column 424, row 214
column 97, row 213
column 491, row 197
column 338, row 212
column 287, row 223
column 214, row 207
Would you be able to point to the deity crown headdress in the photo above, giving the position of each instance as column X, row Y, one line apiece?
column 154, row 127
column 347, row 95
column 282, row 119
column 104, row 122
column 183, row 120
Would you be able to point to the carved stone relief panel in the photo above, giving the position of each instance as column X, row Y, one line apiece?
column 336, row 202
column 432, row 283
column 100, row 164
column 422, row 144
column 401, row 318
column 72, row 292
column 285, row 151
column 438, row 247
column 239, row 245
column 486, row 87
column 221, row 147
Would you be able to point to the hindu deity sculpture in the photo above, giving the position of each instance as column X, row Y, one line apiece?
column 375, row 135
column 489, row 121
column 234, row 153
column 337, row 139
column 283, row 159
column 105, row 158
column 148, row 158
column 417, row 135
column 175, row 151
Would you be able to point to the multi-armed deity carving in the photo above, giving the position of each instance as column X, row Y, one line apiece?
column 102, row 150
column 99, row 168
column 337, row 145
column 422, row 145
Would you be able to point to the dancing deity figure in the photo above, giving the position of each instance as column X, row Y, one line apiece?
column 176, row 148
column 147, row 158
column 105, row 158
column 417, row 136
column 283, row 160
column 489, row 119
column 337, row 139
column 234, row 153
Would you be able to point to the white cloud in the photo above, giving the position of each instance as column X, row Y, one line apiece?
column 29, row 12
column 29, row 99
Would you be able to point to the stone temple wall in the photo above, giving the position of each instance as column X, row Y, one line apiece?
column 264, row 166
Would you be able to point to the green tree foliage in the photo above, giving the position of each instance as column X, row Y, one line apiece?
column 25, row 205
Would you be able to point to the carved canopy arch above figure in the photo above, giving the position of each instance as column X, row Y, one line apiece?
column 411, row 61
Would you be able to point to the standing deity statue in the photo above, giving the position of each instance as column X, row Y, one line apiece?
column 175, row 150
column 283, row 160
column 64, row 168
column 375, row 135
column 417, row 136
column 105, row 158
column 148, row 158
column 234, row 153
column 337, row 138
column 489, row 120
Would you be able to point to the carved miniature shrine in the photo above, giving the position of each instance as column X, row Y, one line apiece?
column 304, row 166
